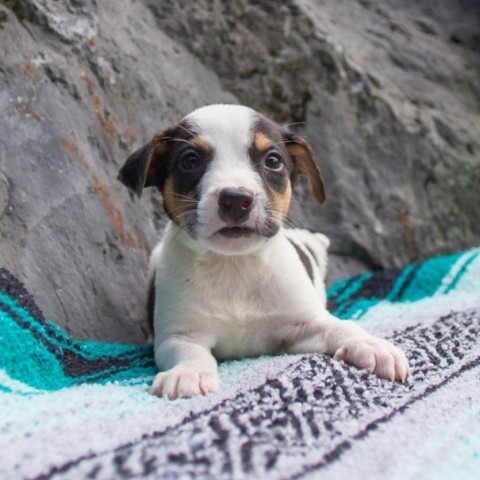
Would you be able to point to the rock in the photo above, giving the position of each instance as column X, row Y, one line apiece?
column 4, row 193
column 387, row 93
column 76, row 101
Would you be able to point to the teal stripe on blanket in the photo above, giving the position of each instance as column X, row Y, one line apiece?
column 429, row 277
column 37, row 353
column 437, row 275
column 461, row 272
column 344, row 298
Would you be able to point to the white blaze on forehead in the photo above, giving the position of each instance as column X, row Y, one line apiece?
column 229, row 130
column 225, row 127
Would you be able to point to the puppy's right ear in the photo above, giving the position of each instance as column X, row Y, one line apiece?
column 145, row 167
column 134, row 172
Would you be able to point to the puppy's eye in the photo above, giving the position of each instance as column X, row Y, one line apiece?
column 273, row 161
column 190, row 160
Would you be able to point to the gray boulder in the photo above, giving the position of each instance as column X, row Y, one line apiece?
column 387, row 93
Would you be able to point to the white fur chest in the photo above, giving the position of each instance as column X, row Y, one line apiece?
column 232, row 288
column 239, row 302
column 211, row 287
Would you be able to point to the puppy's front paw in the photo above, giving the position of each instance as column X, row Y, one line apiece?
column 182, row 382
column 376, row 355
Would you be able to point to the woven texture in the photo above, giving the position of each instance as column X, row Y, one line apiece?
column 71, row 409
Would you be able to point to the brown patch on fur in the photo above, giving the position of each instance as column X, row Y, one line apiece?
column 176, row 206
column 168, row 195
column 305, row 164
column 201, row 143
column 262, row 142
column 280, row 202
column 157, row 149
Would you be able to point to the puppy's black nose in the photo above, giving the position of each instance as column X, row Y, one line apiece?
column 234, row 204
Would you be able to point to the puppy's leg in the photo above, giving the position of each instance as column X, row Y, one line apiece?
column 190, row 367
column 346, row 341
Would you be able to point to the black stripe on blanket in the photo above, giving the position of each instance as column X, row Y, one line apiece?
column 379, row 285
column 74, row 364
column 302, row 420
column 11, row 286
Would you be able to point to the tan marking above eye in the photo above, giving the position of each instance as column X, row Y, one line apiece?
column 200, row 143
column 262, row 142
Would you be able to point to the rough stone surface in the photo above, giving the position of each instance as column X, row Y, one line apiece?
column 388, row 93
column 90, row 82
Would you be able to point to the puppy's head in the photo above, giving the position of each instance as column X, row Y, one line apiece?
column 226, row 175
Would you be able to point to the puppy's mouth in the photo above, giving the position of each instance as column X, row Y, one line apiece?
column 236, row 232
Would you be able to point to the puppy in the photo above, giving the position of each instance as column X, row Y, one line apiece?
column 228, row 280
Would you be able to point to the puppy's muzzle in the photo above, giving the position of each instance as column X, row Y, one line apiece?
column 235, row 205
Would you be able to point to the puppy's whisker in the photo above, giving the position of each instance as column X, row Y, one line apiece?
column 287, row 125
column 285, row 142
column 181, row 214
column 173, row 139
column 178, row 195
column 181, row 208
column 272, row 204
column 184, row 202
column 177, row 233
column 186, row 130
column 281, row 142
column 276, row 204
column 292, row 222
column 288, row 223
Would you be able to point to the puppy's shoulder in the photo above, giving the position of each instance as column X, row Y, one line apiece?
column 313, row 245
column 154, row 259
column 314, row 239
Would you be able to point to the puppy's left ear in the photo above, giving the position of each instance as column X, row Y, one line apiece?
column 304, row 164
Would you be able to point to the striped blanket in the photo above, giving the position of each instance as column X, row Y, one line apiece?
column 71, row 409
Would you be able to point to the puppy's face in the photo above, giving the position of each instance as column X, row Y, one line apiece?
column 226, row 174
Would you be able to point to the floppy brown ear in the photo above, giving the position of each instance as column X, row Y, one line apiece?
column 145, row 167
column 305, row 164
